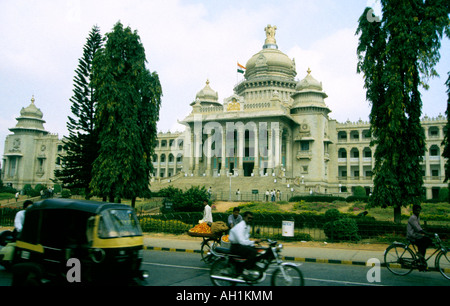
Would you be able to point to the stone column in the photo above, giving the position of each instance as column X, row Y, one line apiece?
column 270, row 152
column 223, row 170
column 256, row 151
column 241, row 145
column 288, row 165
column 208, row 156
column 197, row 152
column 191, row 153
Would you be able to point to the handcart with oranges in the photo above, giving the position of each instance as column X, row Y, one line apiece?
column 212, row 234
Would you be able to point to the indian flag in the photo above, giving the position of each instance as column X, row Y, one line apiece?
column 240, row 68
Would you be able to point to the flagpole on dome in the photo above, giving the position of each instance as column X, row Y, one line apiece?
column 240, row 70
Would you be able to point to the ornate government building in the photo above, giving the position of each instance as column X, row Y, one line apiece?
column 273, row 132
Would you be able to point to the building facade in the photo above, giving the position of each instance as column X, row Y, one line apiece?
column 274, row 127
column 30, row 153
column 277, row 126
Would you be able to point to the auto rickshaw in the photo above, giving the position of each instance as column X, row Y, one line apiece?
column 67, row 241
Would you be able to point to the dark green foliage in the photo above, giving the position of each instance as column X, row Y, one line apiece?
column 81, row 145
column 446, row 141
column 359, row 191
column 443, row 195
column 339, row 227
column 316, row 198
column 332, row 215
column 396, row 56
column 190, row 200
column 343, row 229
column 129, row 99
column 65, row 193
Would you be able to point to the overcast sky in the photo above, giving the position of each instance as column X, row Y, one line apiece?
column 186, row 43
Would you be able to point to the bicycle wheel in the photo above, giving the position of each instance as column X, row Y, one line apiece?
column 205, row 248
column 221, row 267
column 292, row 276
column 399, row 259
column 443, row 264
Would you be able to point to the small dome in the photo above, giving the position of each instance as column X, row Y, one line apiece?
column 30, row 120
column 207, row 94
column 31, row 111
column 309, row 83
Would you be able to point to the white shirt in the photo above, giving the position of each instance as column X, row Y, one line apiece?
column 19, row 219
column 207, row 215
column 240, row 234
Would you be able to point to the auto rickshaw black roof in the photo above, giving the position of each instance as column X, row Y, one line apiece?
column 81, row 205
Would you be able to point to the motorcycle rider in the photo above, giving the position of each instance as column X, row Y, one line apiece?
column 241, row 244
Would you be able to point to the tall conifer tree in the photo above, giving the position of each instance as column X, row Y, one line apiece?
column 446, row 141
column 397, row 55
column 81, row 144
column 129, row 99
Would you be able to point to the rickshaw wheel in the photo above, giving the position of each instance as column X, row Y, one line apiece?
column 26, row 274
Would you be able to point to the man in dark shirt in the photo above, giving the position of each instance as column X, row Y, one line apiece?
column 418, row 236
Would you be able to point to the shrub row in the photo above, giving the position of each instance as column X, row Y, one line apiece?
column 329, row 199
column 337, row 226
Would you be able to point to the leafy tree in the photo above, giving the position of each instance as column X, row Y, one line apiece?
column 359, row 191
column 129, row 99
column 396, row 56
column 81, row 144
column 446, row 141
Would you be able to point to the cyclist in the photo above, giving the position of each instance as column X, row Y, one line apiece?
column 418, row 236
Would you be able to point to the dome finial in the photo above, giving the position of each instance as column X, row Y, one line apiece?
column 309, row 71
column 270, row 37
column 32, row 99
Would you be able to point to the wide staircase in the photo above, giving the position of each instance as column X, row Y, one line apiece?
column 224, row 188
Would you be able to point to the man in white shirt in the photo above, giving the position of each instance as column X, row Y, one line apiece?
column 207, row 215
column 20, row 218
column 241, row 244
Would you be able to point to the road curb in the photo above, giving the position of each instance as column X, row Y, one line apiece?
column 290, row 258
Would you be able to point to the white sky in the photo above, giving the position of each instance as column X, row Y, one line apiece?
column 186, row 42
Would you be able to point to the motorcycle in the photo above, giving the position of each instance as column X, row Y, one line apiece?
column 228, row 268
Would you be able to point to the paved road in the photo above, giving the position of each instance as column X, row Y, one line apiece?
column 186, row 269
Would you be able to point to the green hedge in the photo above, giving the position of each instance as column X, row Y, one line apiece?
column 316, row 198
column 366, row 227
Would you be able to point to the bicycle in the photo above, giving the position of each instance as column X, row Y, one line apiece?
column 400, row 259
column 205, row 248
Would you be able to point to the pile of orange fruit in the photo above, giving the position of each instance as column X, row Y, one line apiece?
column 226, row 238
column 202, row 228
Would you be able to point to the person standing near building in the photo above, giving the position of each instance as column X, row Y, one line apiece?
column 209, row 192
column 207, row 215
column 19, row 219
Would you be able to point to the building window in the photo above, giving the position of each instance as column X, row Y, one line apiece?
column 342, row 153
column 304, row 145
column 434, row 150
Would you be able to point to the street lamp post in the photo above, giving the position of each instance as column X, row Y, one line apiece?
column 230, row 175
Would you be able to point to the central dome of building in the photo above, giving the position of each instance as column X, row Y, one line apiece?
column 270, row 62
